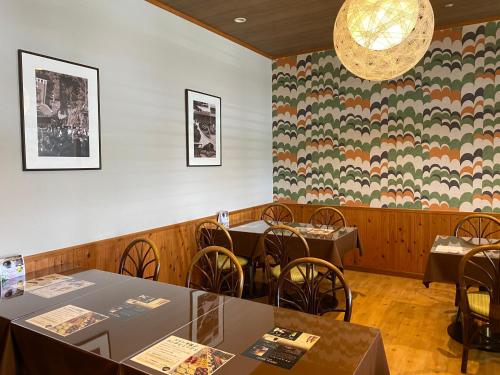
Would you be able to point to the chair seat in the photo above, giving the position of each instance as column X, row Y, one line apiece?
column 295, row 273
column 479, row 303
column 226, row 265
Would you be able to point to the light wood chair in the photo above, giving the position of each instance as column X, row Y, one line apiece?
column 301, row 287
column 141, row 259
column 328, row 216
column 479, row 275
column 216, row 269
column 277, row 213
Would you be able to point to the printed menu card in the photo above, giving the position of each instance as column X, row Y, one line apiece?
column 175, row 355
column 136, row 306
column 67, row 320
column 281, row 347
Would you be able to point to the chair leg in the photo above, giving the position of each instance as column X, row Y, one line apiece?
column 251, row 280
column 465, row 342
column 465, row 358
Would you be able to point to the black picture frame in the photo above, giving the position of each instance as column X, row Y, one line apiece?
column 191, row 159
column 95, row 157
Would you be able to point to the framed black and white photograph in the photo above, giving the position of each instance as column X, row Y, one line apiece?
column 203, row 128
column 59, row 114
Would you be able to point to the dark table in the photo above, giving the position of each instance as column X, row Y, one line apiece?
column 25, row 303
column 343, row 348
column 331, row 247
column 100, row 348
column 442, row 266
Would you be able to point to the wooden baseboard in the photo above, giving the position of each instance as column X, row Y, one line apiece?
column 409, row 275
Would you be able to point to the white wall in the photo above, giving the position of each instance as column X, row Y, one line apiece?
column 146, row 57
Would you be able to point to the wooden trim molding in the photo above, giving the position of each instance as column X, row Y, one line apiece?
column 208, row 27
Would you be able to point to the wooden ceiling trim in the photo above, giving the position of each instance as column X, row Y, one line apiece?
column 236, row 40
column 444, row 27
column 233, row 39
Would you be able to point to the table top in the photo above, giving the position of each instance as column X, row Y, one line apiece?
column 122, row 336
column 307, row 230
column 445, row 255
column 237, row 325
column 24, row 302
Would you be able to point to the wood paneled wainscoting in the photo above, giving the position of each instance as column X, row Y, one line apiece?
column 396, row 241
column 176, row 244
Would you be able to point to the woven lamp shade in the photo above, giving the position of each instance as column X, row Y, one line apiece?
column 382, row 39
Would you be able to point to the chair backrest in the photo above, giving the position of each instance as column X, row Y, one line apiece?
column 484, row 227
column 211, row 233
column 480, row 268
column 216, row 269
column 140, row 259
column 319, row 281
column 277, row 213
column 281, row 244
column 328, row 216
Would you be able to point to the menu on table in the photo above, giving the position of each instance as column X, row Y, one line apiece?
column 175, row 355
column 67, row 320
column 136, row 306
column 44, row 281
column 63, row 287
column 281, row 347
column 451, row 249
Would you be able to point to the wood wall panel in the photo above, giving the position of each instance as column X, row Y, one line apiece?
column 395, row 241
column 176, row 244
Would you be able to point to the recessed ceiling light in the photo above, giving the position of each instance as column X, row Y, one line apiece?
column 240, row 20
column 449, row 5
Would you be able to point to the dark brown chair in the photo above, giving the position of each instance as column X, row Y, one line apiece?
column 328, row 216
column 301, row 287
column 211, row 233
column 281, row 244
column 277, row 213
column 485, row 228
column 216, row 269
column 141, row 259
column 479, row 275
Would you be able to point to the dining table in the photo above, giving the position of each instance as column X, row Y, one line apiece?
column 104, row 327
column 342, row 348
column 329, row 243
column 25, row 296
column 443, row 267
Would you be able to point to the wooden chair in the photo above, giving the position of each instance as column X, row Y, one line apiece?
column 216, row 269
column 281, row 244
column 211, row 233
column 309, row 290
column 328, row 216
column 143, row 257
column 479, row 270
column 277, row 213
column 481, row 226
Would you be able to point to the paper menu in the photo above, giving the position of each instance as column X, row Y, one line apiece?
column 281, row 347
column 43, row 281
column 175, row 355
column 451, row 249
column 63, row 287
column 66, row 320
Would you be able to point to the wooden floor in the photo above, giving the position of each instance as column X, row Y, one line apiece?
column 413, row 321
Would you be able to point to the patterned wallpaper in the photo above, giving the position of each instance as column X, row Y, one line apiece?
column 427, row 140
